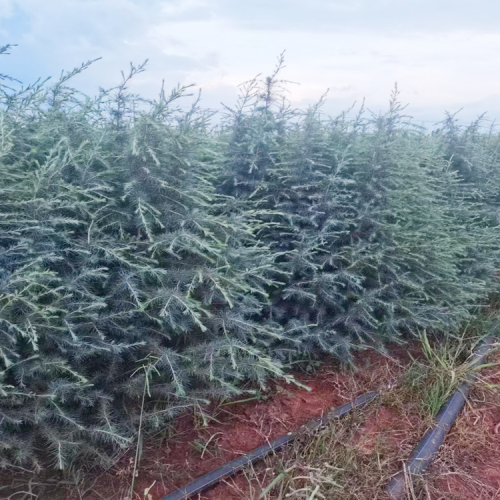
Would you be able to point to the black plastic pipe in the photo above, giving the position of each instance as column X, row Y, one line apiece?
column 429, row 445
column 253, row 456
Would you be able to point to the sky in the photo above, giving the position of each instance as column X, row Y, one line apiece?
column 443, row 54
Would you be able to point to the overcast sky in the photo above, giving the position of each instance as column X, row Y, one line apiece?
column 444, row 54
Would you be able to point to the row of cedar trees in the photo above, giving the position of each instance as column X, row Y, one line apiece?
column 151, row 261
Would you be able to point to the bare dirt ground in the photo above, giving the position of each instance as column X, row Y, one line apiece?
column 377, row 439
column 468, row 463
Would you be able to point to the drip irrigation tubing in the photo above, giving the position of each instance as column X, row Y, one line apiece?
column 425, row 450
column 230, row 468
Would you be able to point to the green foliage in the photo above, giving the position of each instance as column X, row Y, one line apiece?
column 377, row 233
column 112, row 257
column 149, row 262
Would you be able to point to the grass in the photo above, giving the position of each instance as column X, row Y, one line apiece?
column 207, row 445
column 354, row 458
column 348, row 459
column 446, row 364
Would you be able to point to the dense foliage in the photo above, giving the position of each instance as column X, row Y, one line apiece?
column 150, row 262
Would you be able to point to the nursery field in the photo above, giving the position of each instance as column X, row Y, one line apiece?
column 177, row 286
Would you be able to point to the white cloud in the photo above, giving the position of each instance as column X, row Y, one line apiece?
column 442, row 54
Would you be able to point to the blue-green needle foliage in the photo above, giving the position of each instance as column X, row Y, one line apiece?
column 113, row 257
column 146, row 255
column 378, row 232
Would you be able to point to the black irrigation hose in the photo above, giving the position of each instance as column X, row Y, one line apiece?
column 253, row 456
column 434, row 437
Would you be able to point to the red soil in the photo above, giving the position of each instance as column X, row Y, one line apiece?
column 171, row 463
column 468, row 465
column 242, row 427
column 387, row 425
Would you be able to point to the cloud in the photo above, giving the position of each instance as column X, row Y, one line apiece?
column 341, row 16
column 440, row 53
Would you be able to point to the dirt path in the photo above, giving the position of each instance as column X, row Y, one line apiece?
column 467, row 467
column 468, row 464
column 238, row 428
